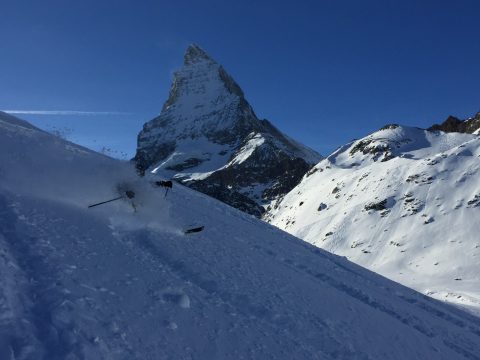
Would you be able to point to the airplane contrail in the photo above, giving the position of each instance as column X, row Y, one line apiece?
column 63, row 112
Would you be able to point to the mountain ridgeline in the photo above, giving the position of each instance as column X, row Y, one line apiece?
column 402, row 202
column 399, row 201
column 209, row 138
column 453, row 124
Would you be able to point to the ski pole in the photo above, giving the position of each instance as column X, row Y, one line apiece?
column 104, row 202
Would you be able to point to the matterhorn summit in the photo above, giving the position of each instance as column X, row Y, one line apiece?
column 209, row 138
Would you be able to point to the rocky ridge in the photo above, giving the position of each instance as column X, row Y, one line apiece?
column 401, row 202
column 454, row 124
column 209, row 138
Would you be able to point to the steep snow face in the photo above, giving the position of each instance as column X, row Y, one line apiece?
column 112, row 282
column 204, row 101
column 207, row 127
column 401, row 202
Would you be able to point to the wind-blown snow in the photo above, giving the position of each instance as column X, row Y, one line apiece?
column 112, row 283
column 412, row 218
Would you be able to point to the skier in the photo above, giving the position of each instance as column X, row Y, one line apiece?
column 166, row 184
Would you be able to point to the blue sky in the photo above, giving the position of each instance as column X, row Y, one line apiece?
column 324, row 72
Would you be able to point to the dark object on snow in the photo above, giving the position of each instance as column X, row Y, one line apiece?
column 140, row 167
column 453, row 124
column 166, row 184
column 194, row 230
column 129, row 194
column 381, row 205
column 104, row 202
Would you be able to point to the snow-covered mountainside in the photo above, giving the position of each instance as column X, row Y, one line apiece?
column 403, row 202
column 112, row 282
column 209, row 138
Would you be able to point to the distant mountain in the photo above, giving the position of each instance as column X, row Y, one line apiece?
column 122, row 283
column 403, row 202
column 453, row 124
column 209, row 138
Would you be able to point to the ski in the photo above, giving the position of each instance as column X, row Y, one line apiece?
column 194, row 230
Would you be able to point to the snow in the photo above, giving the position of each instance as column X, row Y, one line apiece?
column 201, row 102
column 425, row 238
column 207, row 130
column 114, row 283
column 247, row 150
column 211, row 157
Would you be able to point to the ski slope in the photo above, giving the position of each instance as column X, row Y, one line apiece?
column 114, row 283
column 403, row 202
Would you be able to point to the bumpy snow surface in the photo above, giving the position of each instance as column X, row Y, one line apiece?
column 403, row 202
column 113, row 283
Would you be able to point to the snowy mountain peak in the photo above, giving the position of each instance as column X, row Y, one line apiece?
column 196, row 54
column 209, row 137
column 393, row 141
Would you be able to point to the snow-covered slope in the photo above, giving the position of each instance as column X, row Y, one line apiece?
column 403, row 202
column 209, row 138
column 112, row 283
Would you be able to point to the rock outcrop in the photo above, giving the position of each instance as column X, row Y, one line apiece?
column 453, row 124
column 209, row 138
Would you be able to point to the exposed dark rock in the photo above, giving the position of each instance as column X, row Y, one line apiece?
column 189, row 163
column 232, row 198
column 420, row 179
column 377, row 206
column 453, row 124
column 312, row 171
column 475, row 201
column 321, row 207
column 258, row 163
column 429, row 220
column 385, row 213
column 368, row 146
column 411, row 205
column 390, row 127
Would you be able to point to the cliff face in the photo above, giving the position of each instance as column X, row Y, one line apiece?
column 453, row 124
column 209, row 138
